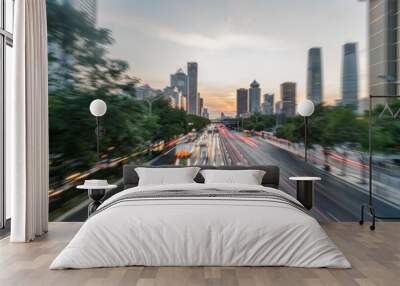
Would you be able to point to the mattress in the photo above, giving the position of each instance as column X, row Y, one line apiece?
column 201, row 225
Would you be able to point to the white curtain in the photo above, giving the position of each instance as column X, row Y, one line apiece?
column 27, row 124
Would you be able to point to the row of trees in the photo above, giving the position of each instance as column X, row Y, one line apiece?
column 331, row 126
column 80, row 70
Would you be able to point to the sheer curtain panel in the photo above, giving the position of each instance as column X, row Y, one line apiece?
column 27, row 124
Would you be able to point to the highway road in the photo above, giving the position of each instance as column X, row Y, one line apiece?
column 335, row 199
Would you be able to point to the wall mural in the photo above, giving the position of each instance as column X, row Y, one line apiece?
column 186, row 85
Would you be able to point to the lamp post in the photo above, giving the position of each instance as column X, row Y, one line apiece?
column 150, row 101
column 306, row 109
column 98, row 108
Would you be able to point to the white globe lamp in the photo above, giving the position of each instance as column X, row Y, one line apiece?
column 98, row 108
column 306, row 109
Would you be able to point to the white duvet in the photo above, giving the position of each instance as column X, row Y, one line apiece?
column 202, row 232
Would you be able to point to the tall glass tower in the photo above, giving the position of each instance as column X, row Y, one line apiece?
column 314, row 75
column 254, row 97
column 384, row 24
column 192, row 88
column 350, row 76
column 179, row 80
column 288, row 98
column 242, row 102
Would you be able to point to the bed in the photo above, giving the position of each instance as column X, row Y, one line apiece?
column 199, row 224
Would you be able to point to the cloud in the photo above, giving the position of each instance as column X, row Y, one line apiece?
column 222, row 41
column 219, row 42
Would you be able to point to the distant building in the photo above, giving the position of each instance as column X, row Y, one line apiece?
column 384, row 24
column 242, row 102
column 222, row 116
column 173, row 96
column 201, row 104
column 145, row 91
column 184, row 103
column 363, row 105
column 254, row 97
column 314, row 75
column 192, row 74
column 350, row 76
column 278, row 107
column 338, row 102
column 179, row 80
column 288, row 98
column 205, row 113
column 268, row 104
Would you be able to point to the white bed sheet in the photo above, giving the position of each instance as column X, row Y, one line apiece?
column 200, row 232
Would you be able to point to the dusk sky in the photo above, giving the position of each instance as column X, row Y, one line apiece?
column 235, row 42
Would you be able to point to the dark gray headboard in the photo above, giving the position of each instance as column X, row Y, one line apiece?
column 271, row 177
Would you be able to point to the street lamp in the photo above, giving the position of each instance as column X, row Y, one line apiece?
column 306, row 109
column 98, row 108
column 150, row 101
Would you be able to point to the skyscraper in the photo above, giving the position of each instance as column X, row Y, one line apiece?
column 201, row 105
column 268, row 104
column 288, row 98
column 242, row 102
column 179, row 80
column 350, row 76
column 384, row 24
column 89, row 8
column 254, row 97
column 173, row 96
column 192, row 70
column 314, row 75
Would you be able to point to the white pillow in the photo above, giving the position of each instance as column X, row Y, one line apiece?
column 247, row 177
column 166, row 176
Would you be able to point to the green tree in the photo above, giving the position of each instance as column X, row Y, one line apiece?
column 199, row 122
column 80, row 71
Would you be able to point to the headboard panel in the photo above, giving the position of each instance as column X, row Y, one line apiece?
column 271, row 177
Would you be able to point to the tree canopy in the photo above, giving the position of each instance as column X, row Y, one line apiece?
column 80, row 70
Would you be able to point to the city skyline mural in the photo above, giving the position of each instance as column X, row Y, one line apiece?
column 219, row 83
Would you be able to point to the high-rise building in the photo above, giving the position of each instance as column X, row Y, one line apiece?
column 363, row 105
column 350, row 76
column 288, row 98
column 179, row 80
column 384, row 24
column 254, row 97
column 183, row 103
column 314, row 75
column 89, row 7
column 268, row 104
column 205, row 112
column 278, row 107
column 56, row 68
column 145, row 91
column 173, row 96
column 242, row 102
column 201, row 104
column 192, row 72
